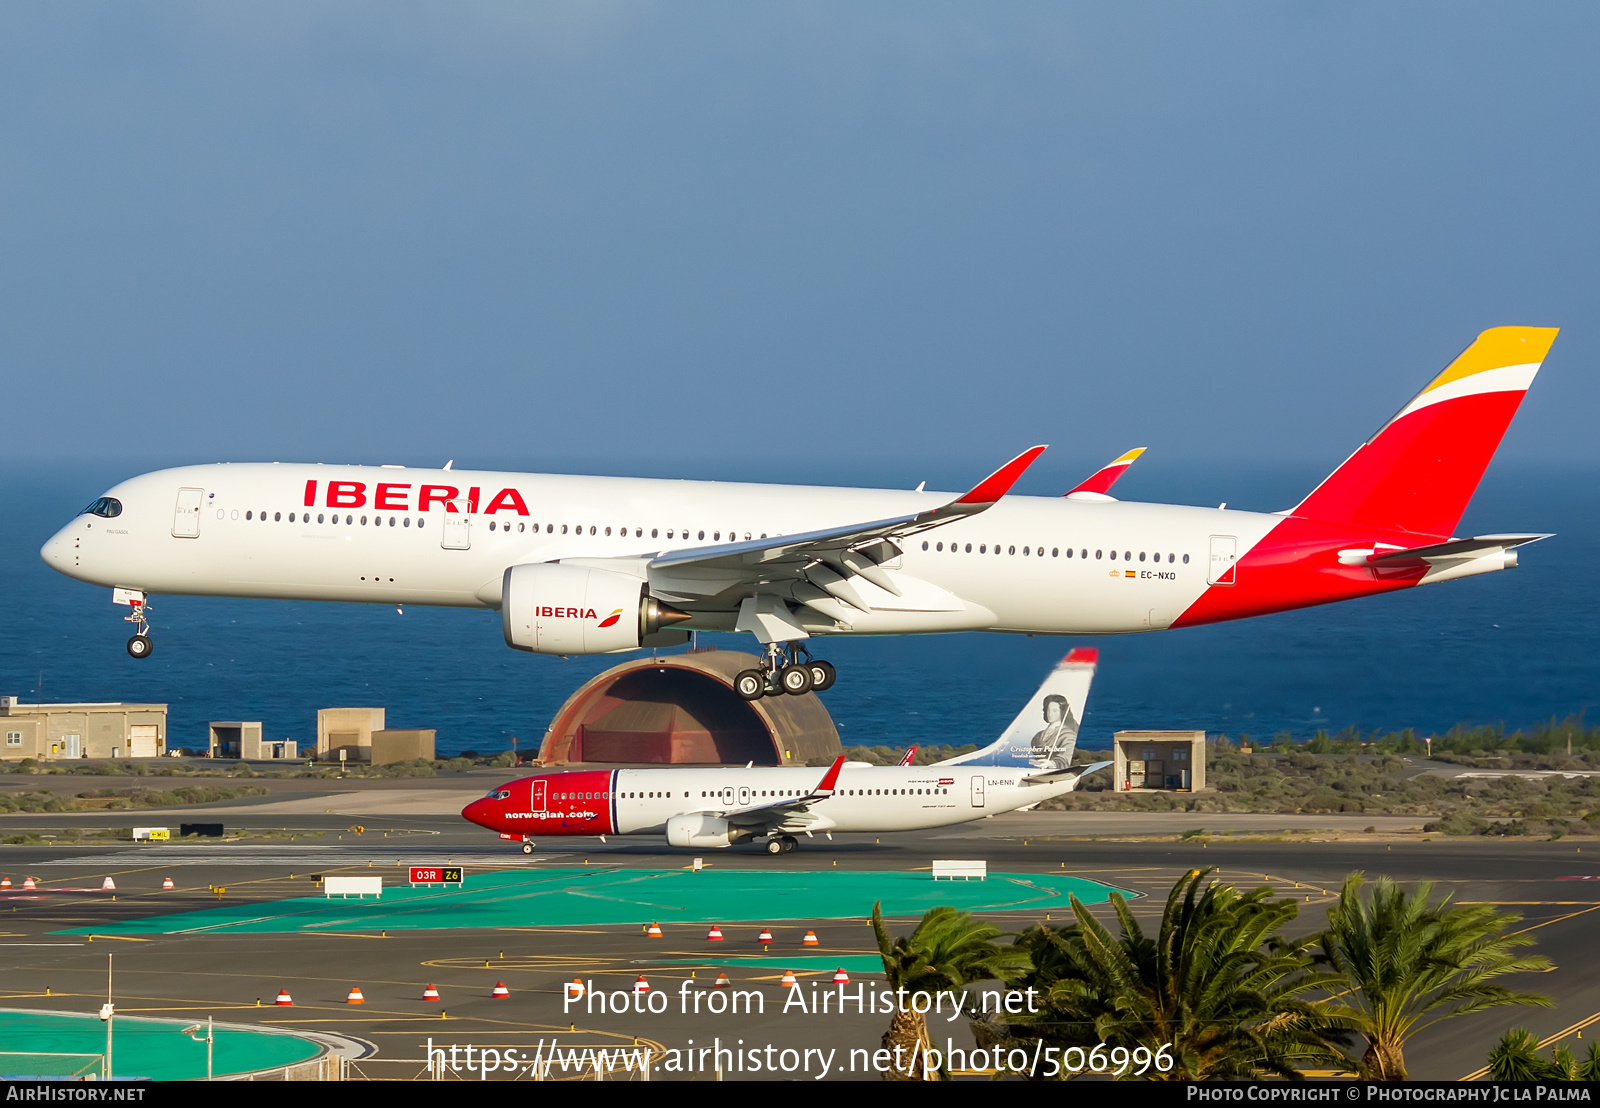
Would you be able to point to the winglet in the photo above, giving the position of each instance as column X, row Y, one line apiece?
column 998, row 483
column 830, row 779
column 1100, row 481
column 905, row 759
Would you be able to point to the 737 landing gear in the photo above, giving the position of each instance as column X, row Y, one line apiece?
column 527, row 848
column 787, row 668
column 781, row 844
column 140, row 645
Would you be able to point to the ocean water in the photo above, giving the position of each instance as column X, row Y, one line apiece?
column 1515, row 647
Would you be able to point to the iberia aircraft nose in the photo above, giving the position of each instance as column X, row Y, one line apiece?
column 58, row 552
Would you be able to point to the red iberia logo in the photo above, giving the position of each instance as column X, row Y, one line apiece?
column 610, row 619
column 547, row 612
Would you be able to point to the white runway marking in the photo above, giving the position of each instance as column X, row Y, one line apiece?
column 313, row 857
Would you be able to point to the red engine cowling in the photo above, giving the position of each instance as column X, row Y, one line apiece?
column 550, row 608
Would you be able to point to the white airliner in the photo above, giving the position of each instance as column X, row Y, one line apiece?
column 589, row 565
column 1030, row 762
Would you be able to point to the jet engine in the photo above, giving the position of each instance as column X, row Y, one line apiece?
column 550, row 608
column 701, row 829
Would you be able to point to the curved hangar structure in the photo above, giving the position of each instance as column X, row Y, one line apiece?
column 683, row 709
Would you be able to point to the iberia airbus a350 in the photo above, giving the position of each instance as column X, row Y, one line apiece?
column 590, row 565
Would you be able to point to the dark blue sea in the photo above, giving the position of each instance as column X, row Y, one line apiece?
column 1514, row 648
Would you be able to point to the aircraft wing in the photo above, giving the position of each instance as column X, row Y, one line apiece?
column 1098, row 485
column 826, row 558
column 779, row 812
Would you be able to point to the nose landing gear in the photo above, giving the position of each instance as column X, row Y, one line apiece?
column 787, row 668
column 140, row 645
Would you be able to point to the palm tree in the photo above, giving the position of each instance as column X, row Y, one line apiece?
column 1516, row 1058
column 1407, row 962
column 947, row 950
column 1217, row 982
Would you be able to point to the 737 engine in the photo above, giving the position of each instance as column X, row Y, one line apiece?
column 702, row 829
column 550, row 608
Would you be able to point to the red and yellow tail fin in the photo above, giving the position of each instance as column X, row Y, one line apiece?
column 1100, row 481
column 1418, row 472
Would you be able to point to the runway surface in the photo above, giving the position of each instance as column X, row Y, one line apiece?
column 225, row 974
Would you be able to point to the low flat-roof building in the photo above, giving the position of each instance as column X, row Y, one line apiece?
column 347, row 729
column 101, row 730
column 1164, row 760
column 243, row 739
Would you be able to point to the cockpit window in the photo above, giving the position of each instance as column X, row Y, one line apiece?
column 499, row 794
column 108, row 507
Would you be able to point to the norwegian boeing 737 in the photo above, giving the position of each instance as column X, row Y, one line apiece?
column 704, row 807
column 592, row 565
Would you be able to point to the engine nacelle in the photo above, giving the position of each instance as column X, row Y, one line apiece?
column 550, row 608
column 702, row 829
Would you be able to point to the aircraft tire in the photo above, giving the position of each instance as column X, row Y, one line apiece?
column 750, row 684
column 527, row 848
column 796, row 680
column 140, row 646
column 775, row 846
column 823, row 675
column 790, row 845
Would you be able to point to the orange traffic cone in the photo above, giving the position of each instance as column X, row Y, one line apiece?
column 284, row 999
column 721, row 982
column 166, row 883
column 430, row 993
column 108, row 886
column 641, row 985
column 788, row 978
column 840, row 977
column 654, row 930
column 500, row 991
column 716, row 934
column 27, row 883
column 765, row 936
column 810, row 939
column 5, row 882
column 355, row 996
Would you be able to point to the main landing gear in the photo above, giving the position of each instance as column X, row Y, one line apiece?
column 781, row 844
column 787, row 668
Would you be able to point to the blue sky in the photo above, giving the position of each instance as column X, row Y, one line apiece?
column 783, row 239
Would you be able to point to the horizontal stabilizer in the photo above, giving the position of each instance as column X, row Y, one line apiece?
column 1071, row 773
column 1455, row 548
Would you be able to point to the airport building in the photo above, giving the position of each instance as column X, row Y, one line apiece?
column 60, row 731
column 1159, row 760
column 242, row 739
column 360, row 735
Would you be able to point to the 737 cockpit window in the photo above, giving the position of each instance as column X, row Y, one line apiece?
column 499, row 794
column 108, row 507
